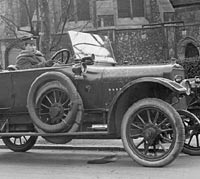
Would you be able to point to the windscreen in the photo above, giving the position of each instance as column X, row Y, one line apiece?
column 85, row 44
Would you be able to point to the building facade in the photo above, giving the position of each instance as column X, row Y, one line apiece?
column 141, row 31
column 94, row 14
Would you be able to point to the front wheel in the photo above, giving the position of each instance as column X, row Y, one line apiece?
column 152, row 132
column 21, row 143
column 192, row 131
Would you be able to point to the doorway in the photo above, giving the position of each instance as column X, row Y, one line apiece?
column 191, row 51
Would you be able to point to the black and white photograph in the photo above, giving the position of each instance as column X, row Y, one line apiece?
column 99, row 89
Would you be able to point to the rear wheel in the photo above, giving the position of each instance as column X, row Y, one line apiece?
column 192, row 131
column 20, row 144
column 152, row 132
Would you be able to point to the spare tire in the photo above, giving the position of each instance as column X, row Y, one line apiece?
column 53, row 102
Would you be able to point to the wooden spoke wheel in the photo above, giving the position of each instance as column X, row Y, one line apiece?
column 192, row 131
column 20, row 144
column 152, row 132
column 53, row 105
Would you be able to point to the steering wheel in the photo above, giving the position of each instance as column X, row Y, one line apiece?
column 60, row 57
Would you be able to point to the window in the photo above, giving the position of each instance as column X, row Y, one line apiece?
column 138, row 8
column 105, row 13
column 130, row 8
column 105, row 20
column 75, row 9
column 191, row 51
column 124, row 8
column 83, row 10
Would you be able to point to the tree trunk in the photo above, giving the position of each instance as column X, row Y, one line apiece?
column 45, row 34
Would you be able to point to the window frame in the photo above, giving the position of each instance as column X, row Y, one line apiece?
column 131, row 8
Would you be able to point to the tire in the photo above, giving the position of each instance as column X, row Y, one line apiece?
column 152, row 132
column 54, row 116
column 195, row 111
column 192, row 130
column 20, row 144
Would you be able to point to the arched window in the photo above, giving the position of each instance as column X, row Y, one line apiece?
column 191, row 51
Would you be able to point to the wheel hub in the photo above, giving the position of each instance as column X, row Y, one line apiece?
column 196, row 129
column 56, row 111
column 150, row 133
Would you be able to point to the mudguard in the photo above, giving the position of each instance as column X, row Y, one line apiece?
column 174, row 86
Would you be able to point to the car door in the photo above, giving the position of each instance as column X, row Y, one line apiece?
column 6, row 91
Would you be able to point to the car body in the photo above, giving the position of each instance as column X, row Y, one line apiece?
column 90, row 96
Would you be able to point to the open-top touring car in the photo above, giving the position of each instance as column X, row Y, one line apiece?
column 87, row 95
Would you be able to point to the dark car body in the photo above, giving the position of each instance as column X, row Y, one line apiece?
column 104, row 91
column 100, row 87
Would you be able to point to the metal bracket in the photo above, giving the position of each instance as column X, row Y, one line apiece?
column 5, row 126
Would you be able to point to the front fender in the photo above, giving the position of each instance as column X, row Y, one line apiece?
column 172, row 85
column 127, row 96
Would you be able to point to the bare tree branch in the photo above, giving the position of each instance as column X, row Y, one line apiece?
column 65, row 15
column 42, row 6
column 25, row 3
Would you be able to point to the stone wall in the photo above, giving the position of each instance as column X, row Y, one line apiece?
column 155, row 13
column 137, row 46
column 153, row 44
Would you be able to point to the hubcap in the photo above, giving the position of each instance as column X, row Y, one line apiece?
column 150, row 133
column 54, row 105
column 56, row 112
column 192, row 130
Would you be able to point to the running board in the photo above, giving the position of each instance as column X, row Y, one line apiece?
column 92, row 135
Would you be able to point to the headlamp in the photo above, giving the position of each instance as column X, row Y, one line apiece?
column 178, row 78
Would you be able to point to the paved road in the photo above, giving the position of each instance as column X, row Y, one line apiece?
column 54, row 163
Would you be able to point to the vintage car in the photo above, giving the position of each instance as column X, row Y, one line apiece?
column 86, row 95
